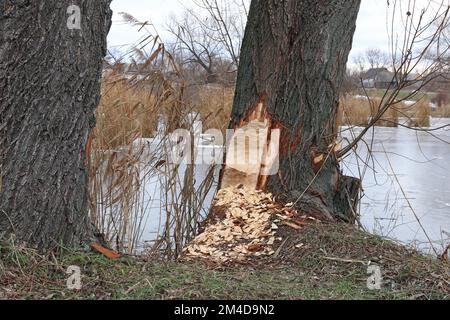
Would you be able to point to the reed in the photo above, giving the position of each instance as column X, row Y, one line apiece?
column 215, row 104
column 125, row 113
column 357, row 111
column 441, row 111
column 417, row 114
column 133, row 185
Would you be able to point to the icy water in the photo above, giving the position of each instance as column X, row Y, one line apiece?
column 420, row 161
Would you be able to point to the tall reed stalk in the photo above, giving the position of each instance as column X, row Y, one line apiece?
column 136, row 192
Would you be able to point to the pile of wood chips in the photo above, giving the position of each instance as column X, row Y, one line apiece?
column 247, row 229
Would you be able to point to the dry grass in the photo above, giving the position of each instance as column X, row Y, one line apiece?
column 442, row 111
column 358, row 111
column 215, row 104
column 125, row 113
column 418, row 114
column 128, row 153
column 129, row 110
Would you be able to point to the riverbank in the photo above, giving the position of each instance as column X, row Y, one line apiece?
column 318, row 262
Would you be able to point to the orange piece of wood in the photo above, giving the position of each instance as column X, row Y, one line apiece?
column 292, row 225
column 106, row 252
column 255, row 248
column 300, row 222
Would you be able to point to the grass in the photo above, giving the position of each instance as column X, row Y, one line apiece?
column 128, row 110
column 304, row 273
column 125, row 112
column 358, row 112
column 131, row 109
column 379, row 93
column 442, row 111
column 214, row 104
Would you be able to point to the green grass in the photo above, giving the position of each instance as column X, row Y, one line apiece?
column 305, row 273
column 379, row 93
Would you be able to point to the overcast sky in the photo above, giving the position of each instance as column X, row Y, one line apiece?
column 371, row 28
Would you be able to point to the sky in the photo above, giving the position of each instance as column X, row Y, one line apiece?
column 371, row 30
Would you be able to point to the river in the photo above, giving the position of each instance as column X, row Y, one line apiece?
column 406, row 183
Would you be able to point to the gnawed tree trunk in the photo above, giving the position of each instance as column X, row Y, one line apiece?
column 49, row 90
column 292, row 65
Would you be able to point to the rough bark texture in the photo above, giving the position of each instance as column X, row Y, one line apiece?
column 49, row 90
column 293, row 61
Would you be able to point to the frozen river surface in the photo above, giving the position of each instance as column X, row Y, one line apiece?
column 407, row 180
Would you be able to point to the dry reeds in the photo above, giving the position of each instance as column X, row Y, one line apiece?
column 125, row 113
column 418, row 114
column 118, row 161
column 215, row 104
column 134, row 187
column 441, row 111
column 357, row 111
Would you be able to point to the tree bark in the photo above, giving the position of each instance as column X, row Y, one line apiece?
column 49, row 90
column 293, row 63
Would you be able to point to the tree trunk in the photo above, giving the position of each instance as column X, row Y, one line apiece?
column 292, row 66
column 49, row 90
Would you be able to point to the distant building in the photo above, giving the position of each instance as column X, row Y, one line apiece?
column 379, row 78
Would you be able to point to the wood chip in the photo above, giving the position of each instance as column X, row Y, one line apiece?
column 106, row 252
column 292, row 225
column 319, row 159
column 246, row 228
